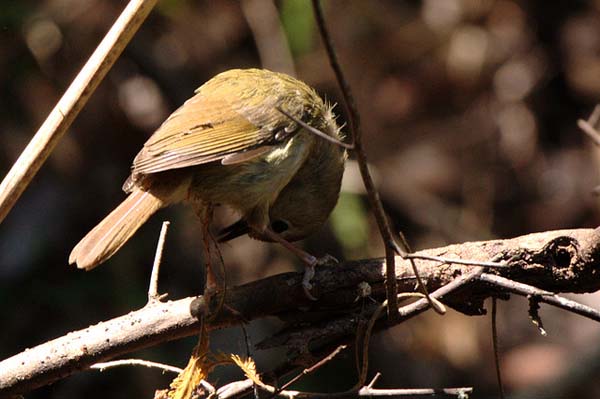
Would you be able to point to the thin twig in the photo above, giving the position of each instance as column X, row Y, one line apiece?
column 239, row 388
column 404, row 253
column 495, row 348
column 589, row 129
column 249, row 354
column 310, row 370
column 415, row 392
column 146, row 363
column 235, row 389
column 373, row 195
column 417, row 307
column 589, row 126
column 153, row 288
column 409, row 311
column 67, row 108
column 374, row 380
column 135, row 362
column 543, row 296
column 391, row 245
column 316, row 132
column 363, row 368
column 466, row 262
column 595, row 116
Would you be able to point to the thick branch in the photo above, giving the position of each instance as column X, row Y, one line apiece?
column 557, row 261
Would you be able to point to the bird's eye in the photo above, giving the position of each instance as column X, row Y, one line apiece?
column 279, row 226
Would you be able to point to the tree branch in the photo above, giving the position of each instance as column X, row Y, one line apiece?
column 238, row 388
column 555, row 261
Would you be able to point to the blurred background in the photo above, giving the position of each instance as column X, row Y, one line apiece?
column 469, row 112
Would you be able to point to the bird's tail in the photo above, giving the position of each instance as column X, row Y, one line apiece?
column 111, row 233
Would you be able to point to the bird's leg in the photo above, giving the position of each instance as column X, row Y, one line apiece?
column 215, row 278
column 309, row 261
column 205, row 213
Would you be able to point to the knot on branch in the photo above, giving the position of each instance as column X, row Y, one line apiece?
column 562, row 264
column 560, row 253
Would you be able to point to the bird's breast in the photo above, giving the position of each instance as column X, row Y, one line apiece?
column 253, row 183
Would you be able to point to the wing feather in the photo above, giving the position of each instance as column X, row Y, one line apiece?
column 202, row 130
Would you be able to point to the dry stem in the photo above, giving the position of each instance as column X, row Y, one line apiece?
column 67, row 108
column 361, row 157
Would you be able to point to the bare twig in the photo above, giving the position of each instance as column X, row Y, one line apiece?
column 373, row 195
column 146, row 363
column 310, row 370
column 417, row 307
column 374, row 380
column 364, row 345
column 135, row 362
column 411, row 393
column 595, row 116
column 76, row 96
column 240, row 388
column 496, row 348
column 445, row 260
column 235, row 389
column 391, row 245
column 153, row 288
column 590, row 130
column 316, row 132
column 589, row 126
column 542, row 296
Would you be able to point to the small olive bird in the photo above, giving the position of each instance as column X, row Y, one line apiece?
column 232, row 144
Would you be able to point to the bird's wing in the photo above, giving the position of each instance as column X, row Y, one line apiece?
column 203, row 130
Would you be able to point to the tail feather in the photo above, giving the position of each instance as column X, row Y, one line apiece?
column 112, row 232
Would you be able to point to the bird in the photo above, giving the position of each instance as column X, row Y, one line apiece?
column 237, row 142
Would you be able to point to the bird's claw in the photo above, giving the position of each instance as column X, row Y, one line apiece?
column 309, row 273
column 327, row 260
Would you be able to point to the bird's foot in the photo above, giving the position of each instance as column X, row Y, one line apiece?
column 309, row 272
